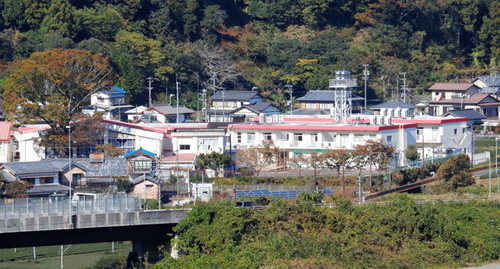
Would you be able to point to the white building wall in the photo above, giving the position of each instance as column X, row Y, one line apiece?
column 28, row 148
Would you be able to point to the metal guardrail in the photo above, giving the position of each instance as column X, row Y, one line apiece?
column 59, row 206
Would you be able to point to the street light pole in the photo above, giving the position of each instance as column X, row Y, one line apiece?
column 383, row 82
column 496, row 164
column 490, row 178
column 70, row 175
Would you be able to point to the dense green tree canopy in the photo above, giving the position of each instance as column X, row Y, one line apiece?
column 271, row 43
column 299, row 234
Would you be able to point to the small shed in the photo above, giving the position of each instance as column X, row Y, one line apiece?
column 145, row 187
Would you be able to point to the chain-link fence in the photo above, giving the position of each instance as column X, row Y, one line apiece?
column 59, row 206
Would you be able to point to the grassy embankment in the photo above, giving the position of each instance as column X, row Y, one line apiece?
column 76, row 256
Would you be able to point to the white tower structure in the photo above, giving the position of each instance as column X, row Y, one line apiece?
column 343, row 85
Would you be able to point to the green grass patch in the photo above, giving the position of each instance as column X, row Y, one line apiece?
column 76, row 256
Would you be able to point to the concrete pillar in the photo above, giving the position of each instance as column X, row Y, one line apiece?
column 151, row 250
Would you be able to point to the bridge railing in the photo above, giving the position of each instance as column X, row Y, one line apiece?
column 59, row 206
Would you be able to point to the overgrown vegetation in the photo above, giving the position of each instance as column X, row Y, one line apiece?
column 297, row 233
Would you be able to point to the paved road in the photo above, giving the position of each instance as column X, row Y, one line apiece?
column 487, row 266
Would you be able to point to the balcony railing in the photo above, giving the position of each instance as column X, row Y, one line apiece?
column 343, row 83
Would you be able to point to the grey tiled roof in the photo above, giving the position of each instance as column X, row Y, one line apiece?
column 110, row 167
column 234, row 95
column 7, row 177
column 170, row 110
column 471, row 114
column 393, row 104
column 490, row 80
column 46, row 189
column 258, row 107
column 140, row 178
column 323, row 96
column 309, row 112
column 490, row 89
column 44, row 166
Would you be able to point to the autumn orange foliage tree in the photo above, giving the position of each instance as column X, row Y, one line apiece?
column 53, row 86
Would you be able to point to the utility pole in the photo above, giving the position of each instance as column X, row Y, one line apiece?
column 383, row 82
column 397, row 87
column 198, row 96
column 204, row 102
column 423, row 155
column 366, row 73
column 177, row 88
column 166, row 92
column 150, row 80
column 404, row 86
column 290, row 91
column 223, row 104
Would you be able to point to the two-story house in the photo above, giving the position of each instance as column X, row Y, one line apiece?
column 320, row 102
column 238, row 106
column 47, row 177
column 110, row 102
column 248, row 112
column 140, row 162
column 449, row 96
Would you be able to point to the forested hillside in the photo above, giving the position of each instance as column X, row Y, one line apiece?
column 240, row 44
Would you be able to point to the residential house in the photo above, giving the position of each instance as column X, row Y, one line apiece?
column 488, row 84
column 110, row 102
column 248, row 112
column 474, row 117
column 186, row 144
column 145, row 187
column 48, row 177
column 140, row 162
column 166, row 114
column 225, row 102
column 135, row 114
column 394, row 109
column 6, row 142
column 103, row 171
column 449, row 96
column 321, row 102
column 483, row 103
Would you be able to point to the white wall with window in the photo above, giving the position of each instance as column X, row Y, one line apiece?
column 200, row 141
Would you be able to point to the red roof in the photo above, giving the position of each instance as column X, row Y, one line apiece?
column 429, row 121
column 172, row 128
column 451, row 86
column 361, row 128
column 5, row 130
column 136, row 126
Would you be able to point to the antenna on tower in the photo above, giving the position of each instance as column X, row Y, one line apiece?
column 343, row 85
